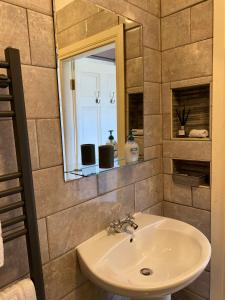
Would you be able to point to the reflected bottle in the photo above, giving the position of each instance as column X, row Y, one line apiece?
column 131, row 149
column 111, row 141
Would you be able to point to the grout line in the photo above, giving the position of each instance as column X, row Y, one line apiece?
column 188, row 44
column 145, row 10
column 47, row 234
column 186, row 79
column 28, row 32
column 36, row 135
column 39, row 66
column 97, row 196
column 42, row 118
column 181, row 204
column 179, row 10
column 25, row 7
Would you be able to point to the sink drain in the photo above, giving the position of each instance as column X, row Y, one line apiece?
column 146, row 272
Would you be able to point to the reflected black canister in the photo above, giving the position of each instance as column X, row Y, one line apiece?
column 106, row 156
column 88, row 154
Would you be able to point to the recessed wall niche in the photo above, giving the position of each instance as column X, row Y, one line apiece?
column 190, row 172
column 196, row 101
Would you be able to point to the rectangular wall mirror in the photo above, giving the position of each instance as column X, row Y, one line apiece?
column 100, row 76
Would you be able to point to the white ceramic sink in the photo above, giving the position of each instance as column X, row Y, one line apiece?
column 176, row 253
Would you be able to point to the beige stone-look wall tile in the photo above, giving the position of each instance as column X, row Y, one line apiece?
column 43, row 240
column 134, row 72
column 193, row 60
column 15, row 261
column 196, row 217
column 186, row 295
column 133, row 42
column 171, row 6
column 152, row 130
column 177, row 193
column 201, row 197
column 72, row 35
column 152, row 65
column 166, row 98
column 40, row 92
column 202, row 21
column 201, row 285
column 41, row 41
column 8, row 163
column 66, row 228
column 153, row 152
column 190, row 82
column 53, row 194
column 100, row 22
column 141, row 3
column 167, row 165
column 14, row 31
column 74, row 13
column 89, row 291
column 151, row 32
column 189, row 150
column 154, row 7
column 148, row 192
column 118, row 178
column 49, row 142
column 42, row 6
column 176, row 29
column 152, row 103
column 33, row 144
column 156, row 209
column 61, row 276
column 167, row 123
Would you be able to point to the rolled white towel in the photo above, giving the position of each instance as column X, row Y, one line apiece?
column 138, row 131
column 1, row 248
column 28, row 288
column 198, row 133
column 22, row 290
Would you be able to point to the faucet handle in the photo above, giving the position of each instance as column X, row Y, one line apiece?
column 114, row 226
column 130, row 216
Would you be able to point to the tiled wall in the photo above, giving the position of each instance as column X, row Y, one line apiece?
column 69, row 213
column 186, row 30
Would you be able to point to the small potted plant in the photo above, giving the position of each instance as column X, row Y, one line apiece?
column 182, row 115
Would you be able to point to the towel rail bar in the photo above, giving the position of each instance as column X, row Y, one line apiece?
column 13, row 221
column 11, row 206
column 6, row 114
column 6, row 97
column 12, row 191
column 14, row 235
column 11, row 176
column 4, row 65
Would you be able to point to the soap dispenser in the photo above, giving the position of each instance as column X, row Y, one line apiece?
column 131, row 149
column 111, row 141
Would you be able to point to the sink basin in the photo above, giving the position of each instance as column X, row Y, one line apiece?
column 164, row 256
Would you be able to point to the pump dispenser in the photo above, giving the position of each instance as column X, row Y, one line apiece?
column 111, row 141
column 131, row 149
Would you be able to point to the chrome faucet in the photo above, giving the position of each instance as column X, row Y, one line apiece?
column 123, row 225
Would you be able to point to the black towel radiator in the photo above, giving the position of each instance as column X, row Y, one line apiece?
column 24, row 174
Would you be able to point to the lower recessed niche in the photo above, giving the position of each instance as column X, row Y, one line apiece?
column 197, row 100
column 190, row 172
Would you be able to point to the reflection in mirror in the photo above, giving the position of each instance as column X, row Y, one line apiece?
column 100, row 74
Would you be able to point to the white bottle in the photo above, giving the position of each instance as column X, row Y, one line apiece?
column 131, row 149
